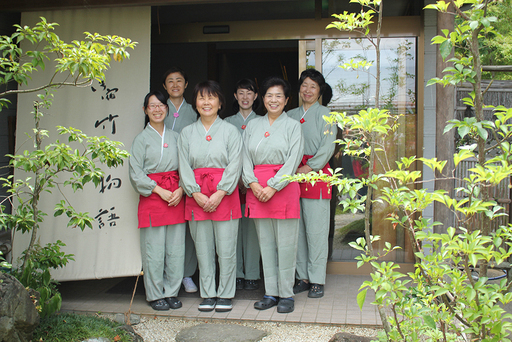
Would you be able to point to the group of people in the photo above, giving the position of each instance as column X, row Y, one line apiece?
column 224, row 178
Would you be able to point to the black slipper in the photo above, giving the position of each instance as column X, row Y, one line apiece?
column 265, row 303
column 174, row 303
column 286, row 305
column 301, row 287
column 159, row 304
column 316, row 291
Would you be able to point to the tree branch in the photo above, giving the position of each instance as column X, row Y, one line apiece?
column 49, row 85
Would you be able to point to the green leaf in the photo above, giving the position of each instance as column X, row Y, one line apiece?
column 463, row 131
column 473, row 259
column 482, row 132
column 361, row 297
column 441, row 291
column 445, row 49
column 429, row 321
column 448, row 127
column 46, row 277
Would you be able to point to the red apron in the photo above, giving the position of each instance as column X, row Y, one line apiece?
column 320, row 189
column 229, row 207
column 283, row 205
column 155, row 212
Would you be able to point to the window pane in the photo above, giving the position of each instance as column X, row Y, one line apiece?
column 354, row 89
column 310, row 59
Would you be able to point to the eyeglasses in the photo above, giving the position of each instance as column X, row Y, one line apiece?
column 155, row 106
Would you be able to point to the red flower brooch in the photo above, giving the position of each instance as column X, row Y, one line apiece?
column 208, row 137
column 267, row 134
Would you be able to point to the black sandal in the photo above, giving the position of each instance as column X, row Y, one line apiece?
column 159, row 304
column 266, row 303
column 286, row 305
column 174, row 303
column 316, row 291
column 301, row 287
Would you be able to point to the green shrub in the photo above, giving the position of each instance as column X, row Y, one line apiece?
column 75, row 327
column 36, row 275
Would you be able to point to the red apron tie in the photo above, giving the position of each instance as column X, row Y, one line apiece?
column 229, row 207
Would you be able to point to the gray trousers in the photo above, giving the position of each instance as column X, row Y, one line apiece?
column 247, row 250
column 163, row 251
column 190, row 255
column 313, row 245
column 278, row 245
column 210, row 237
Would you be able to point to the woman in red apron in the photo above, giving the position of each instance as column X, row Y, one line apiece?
column 210, row 165
column 273, row 147
column 161, row 212
column 315, row 199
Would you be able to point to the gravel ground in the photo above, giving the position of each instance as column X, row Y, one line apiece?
column 165, row 329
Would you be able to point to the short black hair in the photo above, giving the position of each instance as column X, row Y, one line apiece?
column 172, row 70
column 327, row 95
column 158, row 94
column 246, row 83
column 160, row 97
column 315, row 76
column 272, row 82
column 211, row 88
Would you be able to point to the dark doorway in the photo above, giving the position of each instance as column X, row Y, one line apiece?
column 227, row 63
column 256, row 64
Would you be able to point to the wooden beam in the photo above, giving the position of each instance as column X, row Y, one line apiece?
column 38, row 5
column 288, row 29
column 506, row 68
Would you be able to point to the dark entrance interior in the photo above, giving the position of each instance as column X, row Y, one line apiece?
column 227, row 63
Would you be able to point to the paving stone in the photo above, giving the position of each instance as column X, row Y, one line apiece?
column 346, row 337
column 220, row 333
column 121, row 318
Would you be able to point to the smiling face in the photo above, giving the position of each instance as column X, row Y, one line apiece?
column 245, row 98
column 208, row 105
column 275, row 100
column 175, row 85
column 309, row 91
column 156, row 111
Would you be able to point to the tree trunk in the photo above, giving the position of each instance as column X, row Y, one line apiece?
column 445, row 143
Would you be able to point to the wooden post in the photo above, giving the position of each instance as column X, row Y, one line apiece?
column 445, row 143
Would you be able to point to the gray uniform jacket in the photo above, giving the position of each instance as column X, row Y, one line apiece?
column 283, row 145
column 149, row 155
column 223, row 150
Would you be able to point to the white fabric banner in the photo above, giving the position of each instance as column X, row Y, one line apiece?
column 112, row 109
